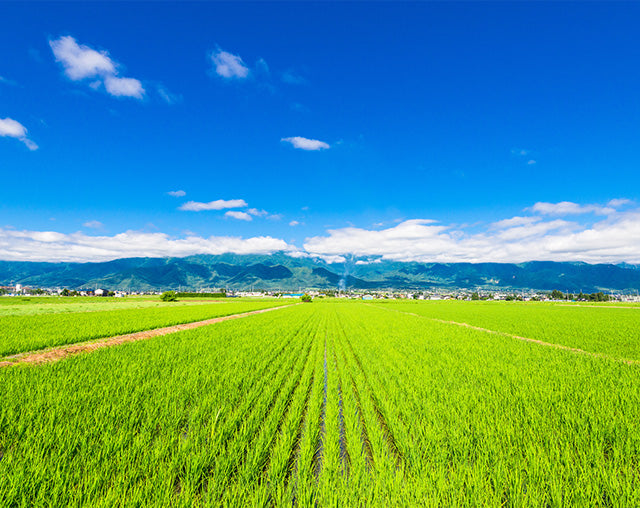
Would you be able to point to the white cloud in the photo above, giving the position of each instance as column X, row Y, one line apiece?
column 94, row 224
column 13, row 129
column 229, row 65
column 294, row 223
column 618, row 202
column 306, row 144
column 613, row 239
column 177, row 193
column 219, row 204
column 531, row 162
column 79, row 247
column 570, row 208
column 257, row 213
column 82, row 62
column 124, row 87
column 238, row 215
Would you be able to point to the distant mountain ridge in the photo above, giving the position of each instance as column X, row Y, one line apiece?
column 281, row 271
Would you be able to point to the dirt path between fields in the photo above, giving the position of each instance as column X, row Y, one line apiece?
column 527, row 339
column 60, row 352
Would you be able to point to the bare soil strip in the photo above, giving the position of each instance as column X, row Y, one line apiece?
column 58, row 353
column 527, row 339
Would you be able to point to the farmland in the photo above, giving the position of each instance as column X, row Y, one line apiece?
column 325, row 404
column 26, row 332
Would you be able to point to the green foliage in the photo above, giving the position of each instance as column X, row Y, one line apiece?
column 169, row 296
column 475, row 296
column 306, row 298
column 221, row 294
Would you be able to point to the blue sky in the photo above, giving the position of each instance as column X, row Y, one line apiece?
column 413, row 131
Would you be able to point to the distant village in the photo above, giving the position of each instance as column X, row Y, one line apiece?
column 434, row 294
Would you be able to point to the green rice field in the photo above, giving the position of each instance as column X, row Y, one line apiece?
column 331, row 403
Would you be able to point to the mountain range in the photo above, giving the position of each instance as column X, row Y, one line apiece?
column 281, row 271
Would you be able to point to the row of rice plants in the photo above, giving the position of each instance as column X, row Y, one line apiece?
column 27, row 333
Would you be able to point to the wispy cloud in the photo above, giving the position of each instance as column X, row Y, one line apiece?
column 167, row 96
column 219, row 204
column 306, row 143
column 6, row 81
column 234, row 214
column 81, row 62
column 177, row 193
column 294, row 223
column 292, row 78
column 13, row 129
column 228, row 65
column 619, row 202
column 514, row 222
column 94, row 224
column 523, row 154
column 570, row 208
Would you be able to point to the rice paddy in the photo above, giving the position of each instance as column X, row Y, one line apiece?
column 327, row 404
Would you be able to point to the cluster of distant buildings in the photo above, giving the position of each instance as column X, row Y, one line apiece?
column 435, row 294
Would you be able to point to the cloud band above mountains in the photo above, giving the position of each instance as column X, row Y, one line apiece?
column 610, row 238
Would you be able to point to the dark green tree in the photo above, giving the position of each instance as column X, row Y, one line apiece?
column 169, row 296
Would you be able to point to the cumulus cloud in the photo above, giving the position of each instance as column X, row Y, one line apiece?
column 79, row 247
column 305, row 143
column 257, row 213
column 219, row 204
column 234, row 214
column 294, row 223
column 82, row 62
column 177, row 193
column 613, row 239
column 570, row 208
column 228, row 65
column 11, row 128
